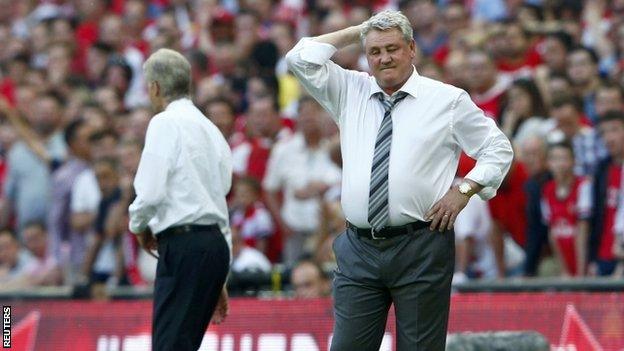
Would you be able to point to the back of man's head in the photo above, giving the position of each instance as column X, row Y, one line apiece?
column 171, row 71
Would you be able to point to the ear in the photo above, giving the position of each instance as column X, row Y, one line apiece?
column 412, row 48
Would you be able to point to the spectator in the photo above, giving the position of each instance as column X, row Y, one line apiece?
column 429, row 33
column 533, row 151
column 485, row 85
column 265, row 128
column 104, row 261
column 606, row 189
column 28, row 183
column 562, row 212
column 583, row 72
column 609, row 97
column 588, row 148
column 302, row 169
column 45, row 269
column 248, row 215
column 474, row 255
column 75, row 197
column 245, row 258
column 15, row 262
column 309, row 280
column 525, row 113
column 221, row 112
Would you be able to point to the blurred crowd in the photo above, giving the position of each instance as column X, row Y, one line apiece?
column 74, row 112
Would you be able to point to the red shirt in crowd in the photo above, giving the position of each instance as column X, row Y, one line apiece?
column 614, row 183
column 508, row 207
column 562, row 215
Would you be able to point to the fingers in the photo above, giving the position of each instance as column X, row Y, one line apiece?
column 432, row 211
column 436, row 219
column 452, row 220
column 445, row 221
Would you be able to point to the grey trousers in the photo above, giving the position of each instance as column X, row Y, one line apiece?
column 412, row 271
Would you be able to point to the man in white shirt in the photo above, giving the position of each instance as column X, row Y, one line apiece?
column 183, row 177
column 401, row 136
column 301, row 168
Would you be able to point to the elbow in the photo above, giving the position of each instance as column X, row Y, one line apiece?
column 291, row 59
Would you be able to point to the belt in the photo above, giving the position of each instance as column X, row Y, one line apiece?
column 187, row 228
column 388, row 232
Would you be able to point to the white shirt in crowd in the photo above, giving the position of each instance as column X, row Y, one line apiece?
column 184, row 174
column 431, row 127
column 292, row 166
column 85, row 195
column 249, row 260
column 475, row 222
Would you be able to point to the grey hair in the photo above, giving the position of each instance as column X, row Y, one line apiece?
column 172, row 71
column 386, row 20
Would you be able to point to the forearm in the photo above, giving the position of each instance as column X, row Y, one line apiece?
column 341, row 38
column 81, row 222
column 581, row 247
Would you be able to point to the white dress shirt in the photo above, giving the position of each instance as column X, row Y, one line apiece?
column 293, row 166
column 184, row 174
column 431, row 127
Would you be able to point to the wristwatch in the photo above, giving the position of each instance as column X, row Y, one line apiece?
column 466, row 189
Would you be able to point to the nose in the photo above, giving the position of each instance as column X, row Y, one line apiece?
column 386, row 58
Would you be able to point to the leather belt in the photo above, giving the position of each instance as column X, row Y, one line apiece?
column 388, row 232
column 187, row 228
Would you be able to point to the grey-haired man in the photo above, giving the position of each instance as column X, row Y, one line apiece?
column 401, row 137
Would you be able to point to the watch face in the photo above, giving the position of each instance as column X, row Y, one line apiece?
column 464, row 188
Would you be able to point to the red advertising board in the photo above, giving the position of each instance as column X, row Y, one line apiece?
column 570, row 321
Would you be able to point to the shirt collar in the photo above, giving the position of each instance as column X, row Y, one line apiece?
column 410, row 86
column 178, row 102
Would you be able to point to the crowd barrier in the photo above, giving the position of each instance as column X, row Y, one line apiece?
column 569, row 320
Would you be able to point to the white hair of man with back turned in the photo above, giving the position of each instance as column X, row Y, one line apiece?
column 171, row 71
column 387, row 20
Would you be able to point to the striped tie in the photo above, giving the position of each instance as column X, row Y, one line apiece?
column 378, row 213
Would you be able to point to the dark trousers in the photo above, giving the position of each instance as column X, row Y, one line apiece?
column 412, row 271
column 192, row 268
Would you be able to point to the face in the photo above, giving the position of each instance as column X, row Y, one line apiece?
column 581, row 68
column 481, row 73
column 48, row 115
column 389, row 58
column 107, row 177
column 263, row 118
column 35, row 240
column 221, row 115
column 554, row 54
column 567, row 118
column 612, row 133
column 455, row 18
column 9, row 250
column 129, row 156
column 515, row 40
column 81, row 145
column 533, row 155
column 560, row 162
column 307, row 282
column 245, row 194
column 519, row 101
column 608, row 100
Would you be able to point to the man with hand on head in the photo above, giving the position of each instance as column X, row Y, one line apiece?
column 183, row 177
column 401, row 137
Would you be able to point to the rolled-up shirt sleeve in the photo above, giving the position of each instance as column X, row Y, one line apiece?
column 480, row 138
column 150, row 182
column 310, row 62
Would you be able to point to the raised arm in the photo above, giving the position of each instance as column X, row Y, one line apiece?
column 327, row 82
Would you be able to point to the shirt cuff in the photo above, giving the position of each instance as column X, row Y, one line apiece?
column 315, row 52
column 488, row 177
column 136, row 228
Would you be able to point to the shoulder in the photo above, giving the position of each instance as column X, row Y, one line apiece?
column 431, row 86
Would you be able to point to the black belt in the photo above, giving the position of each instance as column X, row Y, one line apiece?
column 388, row 232
column 187, row 228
